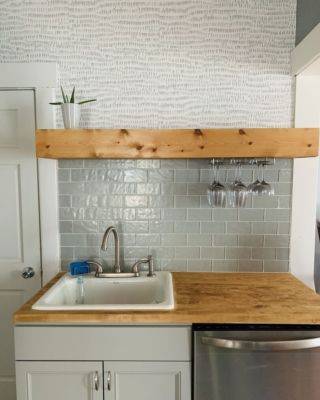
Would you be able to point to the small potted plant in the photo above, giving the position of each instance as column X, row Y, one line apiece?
column 70, row 109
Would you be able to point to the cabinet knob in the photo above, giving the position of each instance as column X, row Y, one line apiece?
column 96, row 380
column 27, row 272
column 109, row 380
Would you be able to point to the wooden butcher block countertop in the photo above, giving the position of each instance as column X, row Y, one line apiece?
column 255, row 298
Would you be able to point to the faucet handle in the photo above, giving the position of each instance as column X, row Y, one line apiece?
column 149, row 261
column 97, row 265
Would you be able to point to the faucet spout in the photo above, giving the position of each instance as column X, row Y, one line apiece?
column 104, row 246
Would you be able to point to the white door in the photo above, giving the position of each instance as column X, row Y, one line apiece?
column 67, row 380
column 19, row 220
column 131, row 380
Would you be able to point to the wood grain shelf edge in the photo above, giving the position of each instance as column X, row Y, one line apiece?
column 176, row 143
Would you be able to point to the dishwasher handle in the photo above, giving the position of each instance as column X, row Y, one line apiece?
column 253, row 345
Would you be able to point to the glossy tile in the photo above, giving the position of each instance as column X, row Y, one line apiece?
column 161, row 207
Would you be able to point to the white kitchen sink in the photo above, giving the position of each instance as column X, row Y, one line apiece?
column 135, row 293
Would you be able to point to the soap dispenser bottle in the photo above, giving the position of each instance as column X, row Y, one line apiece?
column 80, row 290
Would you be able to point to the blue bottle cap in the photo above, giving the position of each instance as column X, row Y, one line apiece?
column 79, row 267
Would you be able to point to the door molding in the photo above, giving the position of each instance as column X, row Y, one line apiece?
column 305, row 66
column 42, row 78
column 306, row 53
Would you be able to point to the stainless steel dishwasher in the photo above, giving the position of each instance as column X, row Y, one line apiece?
column 256, row 362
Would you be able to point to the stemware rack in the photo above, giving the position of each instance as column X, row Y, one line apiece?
column 229, row 162
column 235, row 194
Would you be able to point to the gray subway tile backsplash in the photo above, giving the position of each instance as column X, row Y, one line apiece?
column 224, row 265
column 64, row 201
column 282, row 253
column 284, row 227
column 189, row 252
column 148, row 188
column 278, row 215
column 173, row 214
column 265, row 202
column 199, row 214
column 264, row 253
column 264, row 227
column 148, row 164
column 239, row 227
column 225, row 240
column 85, row 227
column 238, row 253
column 213, row 227
column 277, row 241
column 275, row 266
column 160, row 175
column 135, row 175
column 199, row 239
column 160, row 207
column 174, row 239
column 213, row 253
column 134, row 226
column 284, row 202
column 148, row 239
column 251, row 240
column 197, row 265
column 285, row 175
column 161, row 226
column 187, row 227
column 66, row 226
column 251, row 215
column 136, row 201
column 187, row 201
column 250, row 266
column 220, row 214
column 161, row 201
column 64, row 175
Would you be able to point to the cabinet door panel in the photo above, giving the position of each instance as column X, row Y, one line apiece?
column 148, row 380
column 58, row 380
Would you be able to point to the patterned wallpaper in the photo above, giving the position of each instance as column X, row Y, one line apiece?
column 163, row 63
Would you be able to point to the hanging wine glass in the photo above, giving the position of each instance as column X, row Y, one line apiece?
column 260, row 187
column 238, row 190
column 216, row 192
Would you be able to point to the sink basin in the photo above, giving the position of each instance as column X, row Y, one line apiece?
column 137, row 293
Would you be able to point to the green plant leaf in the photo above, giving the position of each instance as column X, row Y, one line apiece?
column 67, row 98
column 72, row 95
column 63, row 95
column 58, row 103
column 87, row 101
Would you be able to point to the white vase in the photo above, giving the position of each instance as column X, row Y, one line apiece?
column 71, row 115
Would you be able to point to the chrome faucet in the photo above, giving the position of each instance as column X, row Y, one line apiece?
column 104, row 246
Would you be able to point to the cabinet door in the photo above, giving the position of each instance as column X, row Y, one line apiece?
column 59, row 380
column 128, row 380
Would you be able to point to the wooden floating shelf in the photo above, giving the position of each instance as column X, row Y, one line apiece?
column 177, row 143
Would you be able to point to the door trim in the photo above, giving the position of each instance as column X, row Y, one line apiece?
column 305, row 66
column 42, row 78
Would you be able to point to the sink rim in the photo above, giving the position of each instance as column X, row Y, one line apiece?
column 168, row 303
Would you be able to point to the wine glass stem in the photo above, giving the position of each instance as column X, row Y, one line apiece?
column 259, row 172
column 215, row 172
column 238, row 177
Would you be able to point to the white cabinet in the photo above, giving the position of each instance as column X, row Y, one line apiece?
column 103, row 363
column 39, row 380
column 147, row 380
